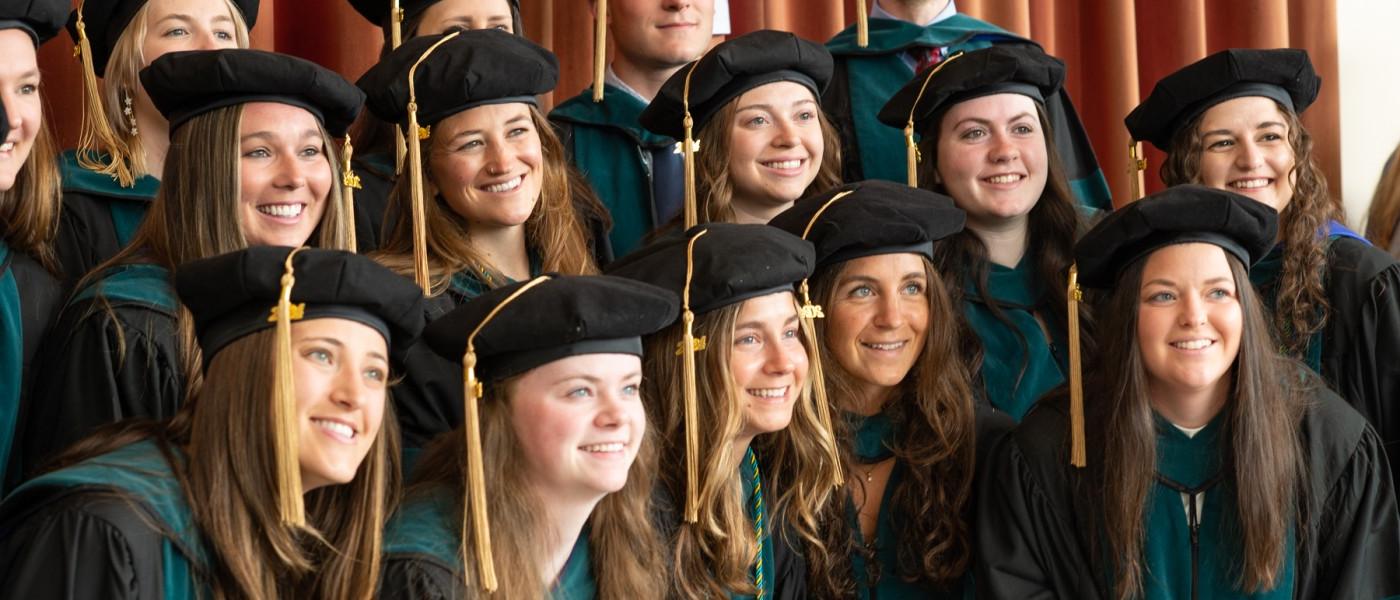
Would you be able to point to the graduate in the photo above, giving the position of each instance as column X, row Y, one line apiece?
column 30, row 293
column 988, row 143
column 378, row 161
column 110, row 180
column 253, row 164
column 273, row 481
column 1231, row 121
column 898, row 39
column 747, row 459
column 758, row 139
column 544, row 490
column 636, row 173
column 909, row 429
column 488, row 197
column 1199, row 462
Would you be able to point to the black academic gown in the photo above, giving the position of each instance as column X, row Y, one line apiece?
column 29, row 299
column 377, row 177
column 99, row 217
column 1038, row 513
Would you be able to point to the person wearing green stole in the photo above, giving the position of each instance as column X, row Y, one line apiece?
column 110, row 180
column 903, row 38
column 487, row 197
column 636, row 173
column 273, row 481
column 911, row 430
column 252, row 164
column 747, row 458
column 1193, row 459
column 1231, row 120
column 987, row 142
column 30, row 292
column 544, row 491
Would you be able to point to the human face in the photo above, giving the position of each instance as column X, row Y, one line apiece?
column 877, row 322
column 1245, row 149
column 341, row 371
column 660, row 34
column 580, row 423
column 768, row 362
column 992, row 157
column 175, row 25
column 489, row 167
column 19, row 90
column 285, row 176
column 468, row 14
column 775, row 148
column 1189, row 321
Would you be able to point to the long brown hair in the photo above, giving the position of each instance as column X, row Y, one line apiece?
column 1260, row 431
column 29, row 209
column 1054, row 225
column 936, row 446
column 555, row 228
column 1385, row 206
column 227, row 442
column 1301, row 308
column 714, row 556
column 625, row 550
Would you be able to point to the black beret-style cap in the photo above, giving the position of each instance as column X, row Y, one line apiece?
column 1005, row 68
column 872, row 217
column 484, row 66
column 233, row 295
column 377, row 11
column 1177, row 215
column 731, row 263
column 1285, row 75
column 105, row 20
column 563, row 316
column 732, row 68
column 41, row 19
column 183, row 85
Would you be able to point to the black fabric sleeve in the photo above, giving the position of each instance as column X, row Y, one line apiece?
column 789, row 568
column 407, row 578
column 85, row 236
column 84, row 546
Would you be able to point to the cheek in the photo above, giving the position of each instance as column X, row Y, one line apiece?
column 252, row 180
column 1214, row 168
column 318, row 178
column 452, row 173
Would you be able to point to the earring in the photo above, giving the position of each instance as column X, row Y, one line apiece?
column 130, row 113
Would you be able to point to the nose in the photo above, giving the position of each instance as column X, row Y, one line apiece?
column 205, row 40
column 1249, row 156
column 781, row 359
column 499, row 158
column 1193, row 312
column 1003, row 149
column 786, row 135
column 348, row 388
column 15, row 120
column 676, row 5
column 889, row 314
column 292, row 173
column 612, row 412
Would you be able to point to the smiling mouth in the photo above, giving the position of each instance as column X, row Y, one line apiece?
column 1004, row 179
column 784, row 165
column 504, row 186
column 336, row 429
column 1251, row 184
column 769, row 393
column 604, row 448
column 282, row 211
column 7, row 146
column 1193, row 344
column 884, row 346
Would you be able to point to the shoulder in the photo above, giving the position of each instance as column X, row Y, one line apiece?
column 426, row 529
column 142, row 285
column 1332, row 430
column 410, row 577
column 33, row 278
column 1350, row 259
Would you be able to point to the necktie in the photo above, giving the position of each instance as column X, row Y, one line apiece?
column 925, row 57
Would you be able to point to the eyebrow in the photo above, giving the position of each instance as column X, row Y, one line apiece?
column 594, row 378
column 982, row 121
column 338, row 344
column 270, row 136
column 189, row 19
column 759, row 324
column 1264, row 125
column 769, row 107
column 1172, row 284
column 467, row 132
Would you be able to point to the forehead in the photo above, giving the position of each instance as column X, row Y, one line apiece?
column 276, row 116
column 775, row 308
column 18, row 49
column 778, row 93
column 884, row 266
column 199, row 9
column 1187, row 263
column 994, row 107
column 486, row 117
column 596, row 366
column 1248, row 111
column 353, row 335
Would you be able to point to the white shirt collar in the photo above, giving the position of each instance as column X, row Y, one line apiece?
column 612, row 79
column 876, row 12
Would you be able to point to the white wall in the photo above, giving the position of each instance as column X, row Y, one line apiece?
column 1369, row 56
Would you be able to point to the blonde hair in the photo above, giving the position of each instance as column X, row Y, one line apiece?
column 29, row 209
column 1385, row 206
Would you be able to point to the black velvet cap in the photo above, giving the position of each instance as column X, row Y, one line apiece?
column 731, row 263
column 566, row 315
column 1005, row 68
column 377, row 11
column 183, row 85
column 233, row 295
column 1284, row 75
column 872, row 217
column 41, row 19
column 732, row 68
column 105, row 20
column 475, row 68
column 1177, row 215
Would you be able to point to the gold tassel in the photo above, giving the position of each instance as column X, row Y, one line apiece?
column 809, row 313
column 600, row 49
column 349, row 183
column 911, row 149
column 284, row 400
column 1136, row 165
column 476, row 478
column 415, row 175
column 862, row 24
column 688, row 149
column 95, row 136
column 396, row 39
column 1077, row 453
column 692, row 411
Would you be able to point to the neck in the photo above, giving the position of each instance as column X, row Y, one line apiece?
column 646, row 81
column 1190, row 408
column 503, row 248
column 741, row 445
column 918, row 12
column 155, row 137
column 563, row 523
column 872, row 399
column 759, row 213
column 1005, row 239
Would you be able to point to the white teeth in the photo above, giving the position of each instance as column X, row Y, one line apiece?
column 609, row 447
column 889, row 346
column 768, row 392
column 505, row 187
column 783, row 164
column 1012, row 178
column 1192, row 344
column 7, row 146
column 1249, row 184
column 282, row 210
column 335, row 427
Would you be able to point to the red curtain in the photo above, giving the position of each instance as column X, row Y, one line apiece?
column 1116, row 50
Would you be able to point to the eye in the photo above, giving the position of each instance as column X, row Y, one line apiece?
column 806, row 115
column 311, row 151
column 631, row 390
column 518, row 131
column 318, row 355
column 28, row 89
column 224, row 36
column 579, row 392
column 757, row 121
column 913, row 288
column 471, row 145
column 505, row 28
column 376, row 374
column 177, row 32
column 790, row 333
column 862, row 291
column 976, row 133
column 1218, row 294
column 1270, row 137
column 1022, row 129
column 1160, row 297
column 257, row 153
column 1220, row 144
column 746, row 340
